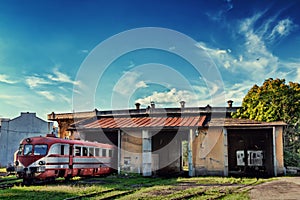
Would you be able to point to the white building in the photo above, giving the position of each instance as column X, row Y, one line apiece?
column 12, row 131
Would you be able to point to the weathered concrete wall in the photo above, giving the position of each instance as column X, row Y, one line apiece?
column 279, row 150
column 13, row 131
column 208, row 152
column 131, row 151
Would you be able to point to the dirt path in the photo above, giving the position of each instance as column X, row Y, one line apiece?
column 283, row 188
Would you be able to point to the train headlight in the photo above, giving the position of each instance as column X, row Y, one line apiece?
column 42, row 162
column 28, row 140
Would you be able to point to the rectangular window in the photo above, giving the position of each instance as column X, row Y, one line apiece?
column 27, row 149
column 62, row 150
column 104, row 152
column 110, row 153
column 21, row 148
column 91, row 151
column 84, row 151
column 40, row 149
column 70, row 150
column 97, row 152
column 77, row 151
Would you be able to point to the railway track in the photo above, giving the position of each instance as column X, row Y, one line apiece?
column 104, row 195
column 117, row 193
column 9, row 183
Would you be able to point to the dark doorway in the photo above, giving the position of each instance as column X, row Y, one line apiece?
column 167, row 145
column 250, row 152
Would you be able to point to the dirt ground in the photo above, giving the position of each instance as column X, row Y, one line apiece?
column 283, row 188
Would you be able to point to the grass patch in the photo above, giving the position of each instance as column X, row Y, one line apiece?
column 141, row 187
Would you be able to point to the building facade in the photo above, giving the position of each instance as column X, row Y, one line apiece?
column 198, row 141
column 12, row 131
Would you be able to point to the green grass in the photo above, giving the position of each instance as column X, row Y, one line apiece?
column 140, row 187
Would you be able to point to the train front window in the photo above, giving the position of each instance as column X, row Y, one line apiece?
column 27, row 149
column 20, row 151
column 40, row 149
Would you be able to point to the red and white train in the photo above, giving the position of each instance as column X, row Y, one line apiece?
column 47, row 158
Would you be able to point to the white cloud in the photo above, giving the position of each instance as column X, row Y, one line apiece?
column 221, row 51
column 128, row 83
column 171, row 98
column 48, row 95
column 164, row 98
column 283, row 28
column 141, row 84
column 34, row 81
column 64, row 98
column 8, row 97
column 227, row 64
column 298, row 74
column 256, row 62
column 5, row 79
column 61, row 77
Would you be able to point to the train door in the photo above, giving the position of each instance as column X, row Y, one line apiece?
column 71, row 157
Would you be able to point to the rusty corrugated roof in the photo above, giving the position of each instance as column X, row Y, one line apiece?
column 234, row 122
column 140, row 122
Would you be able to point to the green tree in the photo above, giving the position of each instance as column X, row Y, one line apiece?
column 273, row 101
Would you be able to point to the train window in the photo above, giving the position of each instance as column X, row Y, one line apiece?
column 27, row 149
column 91, row 151
column 20, row 149
column 104, row 152
column 110, row 153
column 77, row 151
column 97, row 152
column 40, row 149
column 62, row 150
column 84, row 151
column 70, row 150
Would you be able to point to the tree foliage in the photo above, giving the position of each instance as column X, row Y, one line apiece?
column 273, row 101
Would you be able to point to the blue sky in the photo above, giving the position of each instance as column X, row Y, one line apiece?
column 44, row 46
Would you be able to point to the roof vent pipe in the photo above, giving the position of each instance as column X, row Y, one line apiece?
column 229, row 102
column 137, row 105
column 182, row 104
column 152, row 104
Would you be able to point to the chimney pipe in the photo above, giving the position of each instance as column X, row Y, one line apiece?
column 229, row 102
column 152, row 104
column 182, row 104
column 137, row 105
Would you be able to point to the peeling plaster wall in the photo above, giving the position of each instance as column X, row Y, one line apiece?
column 131, row 151
column 208, row 152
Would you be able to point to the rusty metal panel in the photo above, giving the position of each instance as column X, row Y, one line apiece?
column 146, row 122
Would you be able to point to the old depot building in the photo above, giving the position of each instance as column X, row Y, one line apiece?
column 163, row 141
